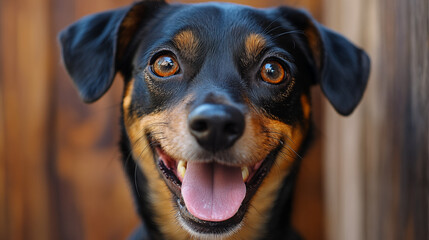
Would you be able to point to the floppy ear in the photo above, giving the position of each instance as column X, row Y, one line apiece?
column 91, row 46
column 342, row 68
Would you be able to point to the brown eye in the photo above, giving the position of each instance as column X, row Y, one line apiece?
column 272, row 72
column 165, row 66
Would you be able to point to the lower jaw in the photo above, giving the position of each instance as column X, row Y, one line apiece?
column 223, row 228
column 200, row 227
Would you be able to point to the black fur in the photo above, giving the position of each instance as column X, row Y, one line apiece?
column 95, row 48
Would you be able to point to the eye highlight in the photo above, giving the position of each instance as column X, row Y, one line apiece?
column 165, row 66
column 272, row 72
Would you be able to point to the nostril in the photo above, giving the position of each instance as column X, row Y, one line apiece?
column 199, row 125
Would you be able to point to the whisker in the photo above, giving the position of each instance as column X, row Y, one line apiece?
column 157, row 123
column 143, row 137
column 281, row 141
column 278, row 133
column 286, row 33
column 135, row 170
column 290, row 139
column 273, row 133
column 135, row 181
column 128, row 158
column 288, row 154
column 273, row 29
column 290, row 148
column 275, row 20
column 156, row 133
column 276, row 138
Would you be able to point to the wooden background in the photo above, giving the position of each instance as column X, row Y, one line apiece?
column 60, row 174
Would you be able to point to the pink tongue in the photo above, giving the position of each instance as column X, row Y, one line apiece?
column 213, row 192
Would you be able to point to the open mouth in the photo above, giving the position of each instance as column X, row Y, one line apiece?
column 212, row 198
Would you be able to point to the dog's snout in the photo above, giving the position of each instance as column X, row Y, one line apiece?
column 216, row 126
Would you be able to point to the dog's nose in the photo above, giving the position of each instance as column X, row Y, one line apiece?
column 216, row 126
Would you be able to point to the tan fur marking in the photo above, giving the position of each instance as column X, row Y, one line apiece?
column 126, row 101
column 254, row 45
column 159, row 194
column 306, row 107
column 187, row 43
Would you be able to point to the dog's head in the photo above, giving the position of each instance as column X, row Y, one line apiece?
column 216, row 104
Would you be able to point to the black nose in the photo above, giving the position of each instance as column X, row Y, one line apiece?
column 216, row 126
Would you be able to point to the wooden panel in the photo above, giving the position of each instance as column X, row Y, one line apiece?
column 3, row 203
column 25, row 48
column 377, row 186
column 342, row 154
column 404, row 154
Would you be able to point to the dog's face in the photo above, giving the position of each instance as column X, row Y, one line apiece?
column 216, row 104
column 219, row 102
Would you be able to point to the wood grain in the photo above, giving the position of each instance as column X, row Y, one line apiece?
column 25, row 45
column 377, row 185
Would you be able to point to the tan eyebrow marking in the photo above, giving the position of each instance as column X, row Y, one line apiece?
column 187, row 43
column 254, row 45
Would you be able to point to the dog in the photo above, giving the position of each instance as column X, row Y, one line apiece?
column 216, row 110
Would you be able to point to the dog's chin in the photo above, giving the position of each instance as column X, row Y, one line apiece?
column 201, row 229
column 198, row 227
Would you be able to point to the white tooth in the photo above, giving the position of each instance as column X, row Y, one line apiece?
column 181, row 168
column 245, row 173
